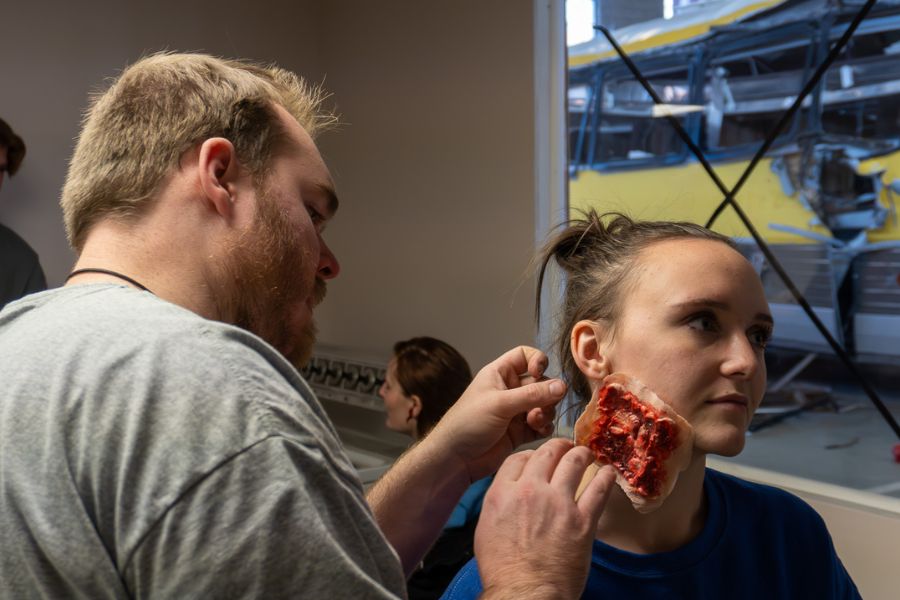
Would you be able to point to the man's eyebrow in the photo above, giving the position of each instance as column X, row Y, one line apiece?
column 328, row 192
column 711, row 303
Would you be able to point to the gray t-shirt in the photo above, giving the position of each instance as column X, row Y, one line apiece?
column 148, row 452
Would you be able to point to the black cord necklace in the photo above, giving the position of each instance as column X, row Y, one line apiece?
column 110, row 273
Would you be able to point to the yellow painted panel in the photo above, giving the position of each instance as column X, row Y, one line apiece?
column 674, row 35
column 685, row 192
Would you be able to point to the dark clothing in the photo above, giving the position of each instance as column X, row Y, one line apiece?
column 449, row 554
column 758, row 542
column 453, row 549
column 20, row 270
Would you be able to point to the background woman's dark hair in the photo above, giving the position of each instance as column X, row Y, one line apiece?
column 15, row 147
column 597, row 253
column 435, row 372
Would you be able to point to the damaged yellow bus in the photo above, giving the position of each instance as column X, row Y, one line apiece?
column 823, row 196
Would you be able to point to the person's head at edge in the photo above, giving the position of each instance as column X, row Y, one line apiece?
column 674, row 305
column 424, row 378
column 201, row 175
column 12, row 151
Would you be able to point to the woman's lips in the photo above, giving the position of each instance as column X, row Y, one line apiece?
column 732, row 401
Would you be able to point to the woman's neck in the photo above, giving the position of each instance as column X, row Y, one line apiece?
column 679, row 520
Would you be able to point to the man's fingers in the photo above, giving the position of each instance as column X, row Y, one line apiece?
column 518, row 361
column 526, row 379
column 537, row 362
column 596, row 493
column 545, row 459
column 571, row 469
column 541, row 420
column 511, row 469
column 534, row 395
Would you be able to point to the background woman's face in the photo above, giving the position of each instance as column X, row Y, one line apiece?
column 396, row 403
column 693, row 327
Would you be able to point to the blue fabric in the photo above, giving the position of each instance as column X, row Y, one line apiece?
column 758, row 542
column 470, row 504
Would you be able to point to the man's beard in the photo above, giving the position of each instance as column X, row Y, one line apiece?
column 264, row 286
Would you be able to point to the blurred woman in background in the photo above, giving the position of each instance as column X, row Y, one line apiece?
column 424, row 378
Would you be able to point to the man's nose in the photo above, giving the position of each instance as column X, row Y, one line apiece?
column 329, row 267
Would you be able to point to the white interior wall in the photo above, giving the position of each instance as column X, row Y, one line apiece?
column 434, row 169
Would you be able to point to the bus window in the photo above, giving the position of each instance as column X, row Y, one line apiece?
column 628, row 130
column 746, row 92
column 579, row 98
column 861, row 96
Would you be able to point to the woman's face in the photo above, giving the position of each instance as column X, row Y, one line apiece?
column 693, row 327
column 396, row 403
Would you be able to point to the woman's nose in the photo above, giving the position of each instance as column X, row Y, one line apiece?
column 742, row 359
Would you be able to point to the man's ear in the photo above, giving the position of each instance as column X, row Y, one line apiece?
column 589, row 349
column 416, row 409
column 219, row 171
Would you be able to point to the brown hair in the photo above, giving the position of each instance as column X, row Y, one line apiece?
column 435, row 372
column 598, row 253
column 160, row 107
column 15, row 147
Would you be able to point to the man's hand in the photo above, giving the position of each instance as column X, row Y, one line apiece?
column 533, row 538
column 508, row 403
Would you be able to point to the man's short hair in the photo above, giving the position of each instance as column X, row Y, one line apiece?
column 162, row 106
column 15, row 147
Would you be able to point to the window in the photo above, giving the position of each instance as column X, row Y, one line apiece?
column 629, row 128
column 579, row 100
column 746, row 91
column 861, row 95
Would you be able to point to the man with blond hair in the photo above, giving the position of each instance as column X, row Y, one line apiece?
column 157, row 439
column 20, row 269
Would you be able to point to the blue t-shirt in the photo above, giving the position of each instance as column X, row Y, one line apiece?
column 469, row 505
column 758, row 542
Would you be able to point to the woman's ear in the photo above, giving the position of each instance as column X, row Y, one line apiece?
column 589, row 350
column 415, row 408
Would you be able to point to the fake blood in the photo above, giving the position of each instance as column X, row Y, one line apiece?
column 631, row 436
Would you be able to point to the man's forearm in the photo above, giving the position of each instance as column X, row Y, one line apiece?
column 414, row 499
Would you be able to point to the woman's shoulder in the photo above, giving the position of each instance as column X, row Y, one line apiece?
column 466, row 584
column 732, row 484
column 759, row 501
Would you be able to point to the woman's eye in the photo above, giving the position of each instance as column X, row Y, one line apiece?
column 703, row 322
column 760, row 337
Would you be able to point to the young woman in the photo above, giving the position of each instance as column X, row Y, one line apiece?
column 677, row 307
column 424, row 379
